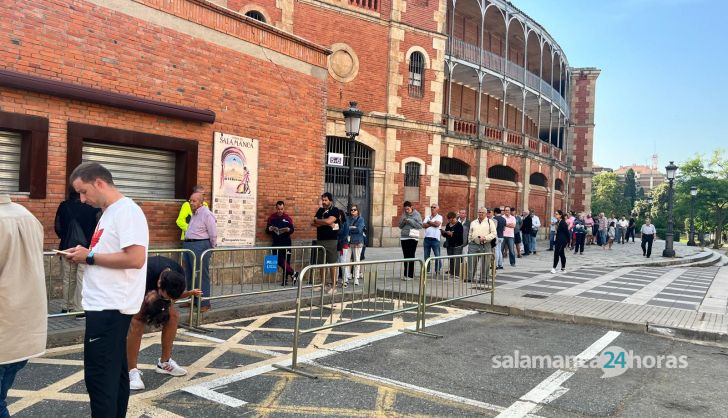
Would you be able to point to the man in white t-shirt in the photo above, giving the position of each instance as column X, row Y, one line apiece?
column 114, row 283
column 432, row 234
column 535, row 225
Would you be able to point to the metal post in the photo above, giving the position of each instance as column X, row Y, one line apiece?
column 350, row 197
column 668, row 251
column 691, row 238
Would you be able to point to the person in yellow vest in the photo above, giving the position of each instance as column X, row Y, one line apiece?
column 185, row 212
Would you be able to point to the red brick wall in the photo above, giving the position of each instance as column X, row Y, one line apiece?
column 455, row 194
column 97, row 47
column 267, row 7
column 499, row 195
column 463, row 106
column 538, row 201
column 416, row 108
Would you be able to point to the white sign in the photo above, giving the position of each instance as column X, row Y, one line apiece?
column 336, row 159
column 234, row 189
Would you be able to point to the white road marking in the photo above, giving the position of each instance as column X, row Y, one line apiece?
column 218, row 397
column 200, row 336
column 596, row 282
column 550, row 388
column 644, row 295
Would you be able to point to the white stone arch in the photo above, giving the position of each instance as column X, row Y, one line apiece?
column 258, row 8
column 421, row 50
column 420, row 161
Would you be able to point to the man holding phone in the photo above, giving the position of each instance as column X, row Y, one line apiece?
column 113, row 290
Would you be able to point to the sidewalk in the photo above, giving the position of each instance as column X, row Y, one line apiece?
column 617, row 288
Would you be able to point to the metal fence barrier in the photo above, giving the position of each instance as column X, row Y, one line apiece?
column 384, row 288
column 236, row 272
column 467, row 275
column 60, row 281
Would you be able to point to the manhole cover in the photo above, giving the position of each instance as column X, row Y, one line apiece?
column 535, row 296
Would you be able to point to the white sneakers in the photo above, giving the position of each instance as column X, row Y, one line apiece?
column 168, row 367
column 553, row 271
column 135, row 380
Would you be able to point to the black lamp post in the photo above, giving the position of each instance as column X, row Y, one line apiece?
column 352, row 122
column 671, row 170
column 693, row 193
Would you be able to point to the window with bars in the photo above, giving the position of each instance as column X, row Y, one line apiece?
column 453, row 166
column 412, row 181
column 372, row 5
column 416, row 74
column 559, row 185
column 502, row 172
column 537, row 179
column 256, row 15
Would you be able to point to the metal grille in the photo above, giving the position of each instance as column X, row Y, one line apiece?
column 537, row 179
column 138, row 172
column 337, row 178
column 416, row 74
column 453, row 166
column 412, row 175
column 256, row 15
column 502, row 172
column 10, row 161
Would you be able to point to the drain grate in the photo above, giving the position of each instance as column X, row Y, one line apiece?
column 535, row 296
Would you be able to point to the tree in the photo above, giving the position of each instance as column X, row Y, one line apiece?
column 630, row 188
column 710, row 176
column 608, row 195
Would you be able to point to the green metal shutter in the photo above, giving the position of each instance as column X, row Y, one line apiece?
column 137, row 172
column 9, row 161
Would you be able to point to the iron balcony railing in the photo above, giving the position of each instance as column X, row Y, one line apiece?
column 474, row 54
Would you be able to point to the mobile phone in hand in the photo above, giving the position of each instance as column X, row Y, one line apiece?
column 61, row 252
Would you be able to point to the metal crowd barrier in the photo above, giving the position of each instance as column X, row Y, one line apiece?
column 383, row 290
column 56, row 284
column 236, row 272
column 467, row 275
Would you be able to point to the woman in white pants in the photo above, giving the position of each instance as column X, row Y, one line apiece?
column 356, row 228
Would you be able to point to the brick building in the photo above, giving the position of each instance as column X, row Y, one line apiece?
column 464, row 104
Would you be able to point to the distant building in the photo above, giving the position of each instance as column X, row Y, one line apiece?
column 646, row 177
column 596, row 169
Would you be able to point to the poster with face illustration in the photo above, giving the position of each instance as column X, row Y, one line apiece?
column 234, row 189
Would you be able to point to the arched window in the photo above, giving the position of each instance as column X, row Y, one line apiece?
column 559, row 185
column 453, row 166
column 502, row 172
column 537, row 179
column 412, row 181
column 256, row 15
column 416, row 74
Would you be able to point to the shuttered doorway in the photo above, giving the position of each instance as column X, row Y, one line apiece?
column 138, row 172
column 9, row 161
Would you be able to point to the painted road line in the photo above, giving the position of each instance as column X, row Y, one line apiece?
column 218, row 397
column 648, row 292
column 206, row 390
column 551, row 388
column 201, row 336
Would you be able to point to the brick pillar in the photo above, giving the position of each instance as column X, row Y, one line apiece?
column 581, row 149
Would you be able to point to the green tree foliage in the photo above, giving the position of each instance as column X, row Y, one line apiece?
column 608, row 195
column 630, row 188
column 710, row 176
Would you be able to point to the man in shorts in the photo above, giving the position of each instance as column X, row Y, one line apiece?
column 165, row 284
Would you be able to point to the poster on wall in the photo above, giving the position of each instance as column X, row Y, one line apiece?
column 235, row 189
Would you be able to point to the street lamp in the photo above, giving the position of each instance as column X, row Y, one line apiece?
column 352, row 123
column 671, row 169
column 693, row 193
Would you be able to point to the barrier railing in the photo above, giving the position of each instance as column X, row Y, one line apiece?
column 235, row 272
column 468, row 275
column 61, row 282
column 385, row 288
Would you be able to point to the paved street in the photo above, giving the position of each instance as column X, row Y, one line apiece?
column 372, row 369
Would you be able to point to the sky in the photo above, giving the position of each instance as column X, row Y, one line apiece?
column 663, row 85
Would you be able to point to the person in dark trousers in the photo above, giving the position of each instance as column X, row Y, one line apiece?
column 648, row 232
column 280, row 227
column 526, row 228
column 630, row 228
column 74, row 225
column 453, row 234
column 410, row 227
column 580, row 234
column 562, row 240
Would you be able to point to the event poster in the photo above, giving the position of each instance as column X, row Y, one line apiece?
column 235, row 189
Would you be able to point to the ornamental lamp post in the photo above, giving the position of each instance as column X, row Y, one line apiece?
column 352, row 123
column 671, row 170
column 693, row 193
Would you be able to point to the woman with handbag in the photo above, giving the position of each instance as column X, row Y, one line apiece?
column 410, row 225
column 356, row 226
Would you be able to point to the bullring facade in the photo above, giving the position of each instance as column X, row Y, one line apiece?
column 466, row 104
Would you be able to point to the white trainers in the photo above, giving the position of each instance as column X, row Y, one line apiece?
column 170, row 367
column 553, row 271
column 135, row 380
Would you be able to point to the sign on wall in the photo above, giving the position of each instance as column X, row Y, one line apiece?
column 336, row 159
column 235, row 189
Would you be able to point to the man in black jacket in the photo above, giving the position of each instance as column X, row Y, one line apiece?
column 526, row 229
column 74, row 224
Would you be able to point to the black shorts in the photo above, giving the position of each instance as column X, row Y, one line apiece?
column 517, row 237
